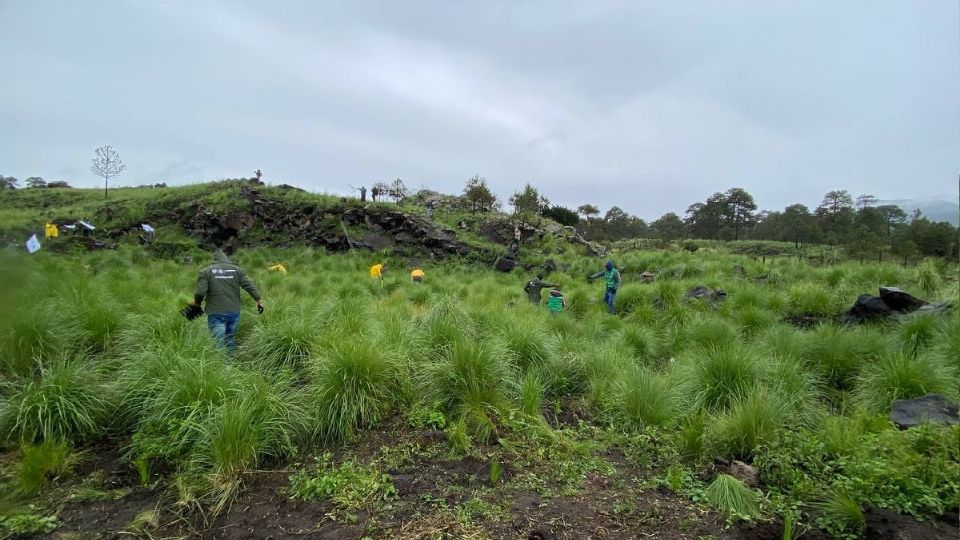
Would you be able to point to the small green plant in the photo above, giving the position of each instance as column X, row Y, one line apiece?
column 458, row 436
column 691, row 436
column 731, row 497
column 142, row 465
column 421, row 416
column 28, row 523
column 840, row 515
column 39, row 464
column 350, row 486
column 531, row 394
column 495, row 470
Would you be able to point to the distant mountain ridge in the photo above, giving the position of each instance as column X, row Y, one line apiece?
column 933, row 209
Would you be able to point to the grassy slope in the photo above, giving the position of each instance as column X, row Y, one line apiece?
column 92, row 346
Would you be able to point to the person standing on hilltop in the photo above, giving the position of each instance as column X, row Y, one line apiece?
column 611, row 278
column 220, row 285
column 534, row 287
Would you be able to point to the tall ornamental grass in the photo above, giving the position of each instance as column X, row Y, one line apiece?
column 66, row 400
column 355, row 383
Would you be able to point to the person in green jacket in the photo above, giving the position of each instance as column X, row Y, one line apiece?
column 555, row 301
column 611, row 278
column 220, row 284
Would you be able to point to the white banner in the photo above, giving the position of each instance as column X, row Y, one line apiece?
column 33, row 245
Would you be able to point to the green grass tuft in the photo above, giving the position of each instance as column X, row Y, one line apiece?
column 731, row 497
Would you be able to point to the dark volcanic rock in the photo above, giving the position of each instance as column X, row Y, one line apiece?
column 907, row 413
column 867, row 308
column 506, row 264
column 899, row 300
column 891, row 302
column 335, row 229
column 701, row 292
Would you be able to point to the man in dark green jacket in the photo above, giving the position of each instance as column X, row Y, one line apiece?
column 534, row 287
column 220, row 284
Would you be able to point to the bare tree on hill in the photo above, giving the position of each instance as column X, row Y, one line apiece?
column 106, row 164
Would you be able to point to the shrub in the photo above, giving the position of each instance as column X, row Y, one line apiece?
column 642, row 398
column 171, row 410
column 839, row 353
column 470, row 379
column 527, row 341
column 356, row 384
column 840, row 514
column 630, row 297
column 712, row 332
column 731, row 497
column 691, row 438
column 754, row 320
column 899, row 376
column 32, row 334
column 283, row 340
column 811, row 300
column 531, row 393
column 716, row 376
column 752, row 420
column 917, row 332
column 65, row 401
column 947, row 347
column 642, row 342
column 928, row 278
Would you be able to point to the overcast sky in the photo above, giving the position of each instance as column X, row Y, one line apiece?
column 647, row 105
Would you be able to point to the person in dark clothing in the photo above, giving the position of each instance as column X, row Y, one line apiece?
column 374, row 193
column 220, row 284
column 534, row 286
column 363, row 193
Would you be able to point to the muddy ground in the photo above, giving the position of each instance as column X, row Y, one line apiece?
column 610, row 493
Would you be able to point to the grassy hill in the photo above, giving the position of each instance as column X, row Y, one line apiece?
column 453, row 408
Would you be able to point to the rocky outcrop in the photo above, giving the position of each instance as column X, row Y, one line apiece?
column 506, row 264
column 892, row 303
column 503, row 231
column 908, row 413
column 701, row 292
column 266, row 220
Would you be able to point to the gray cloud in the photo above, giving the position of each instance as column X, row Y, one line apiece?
column 647, row 106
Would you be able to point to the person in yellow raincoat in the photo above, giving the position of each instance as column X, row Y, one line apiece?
column 417, row 275
column 376, row 272
column 50, row 230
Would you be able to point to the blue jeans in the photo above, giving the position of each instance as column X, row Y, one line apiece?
column 608, row 298
column 223, row 328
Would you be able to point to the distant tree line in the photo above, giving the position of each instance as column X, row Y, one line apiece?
column 34, row 182
column 863, row 228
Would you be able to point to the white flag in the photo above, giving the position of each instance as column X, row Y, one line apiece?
column 33, row 245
